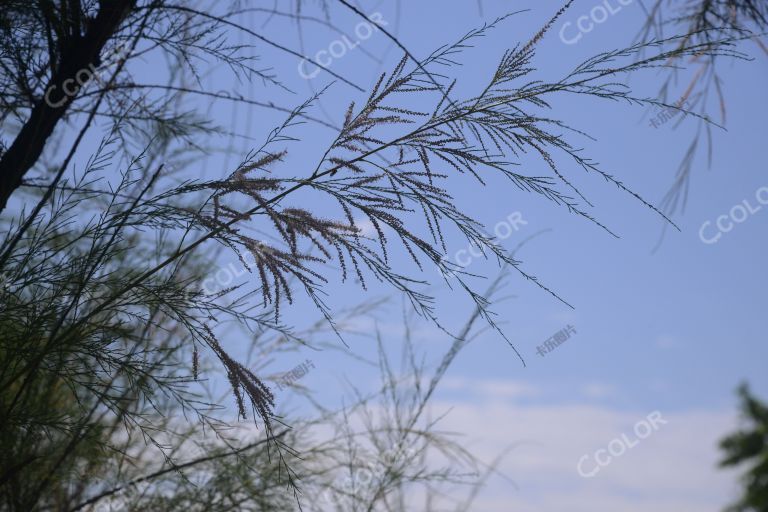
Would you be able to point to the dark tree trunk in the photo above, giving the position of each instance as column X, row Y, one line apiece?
column 79, row 53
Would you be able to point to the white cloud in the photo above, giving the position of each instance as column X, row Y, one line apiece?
column 673, row 470
column 498, row 388
column 597, row 390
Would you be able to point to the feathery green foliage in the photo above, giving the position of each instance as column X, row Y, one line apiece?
column 749, row 446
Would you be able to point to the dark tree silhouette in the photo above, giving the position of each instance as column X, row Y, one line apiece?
column 749, row 447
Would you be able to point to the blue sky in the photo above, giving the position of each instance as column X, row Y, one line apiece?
column 685, row 318
column 673, row 330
